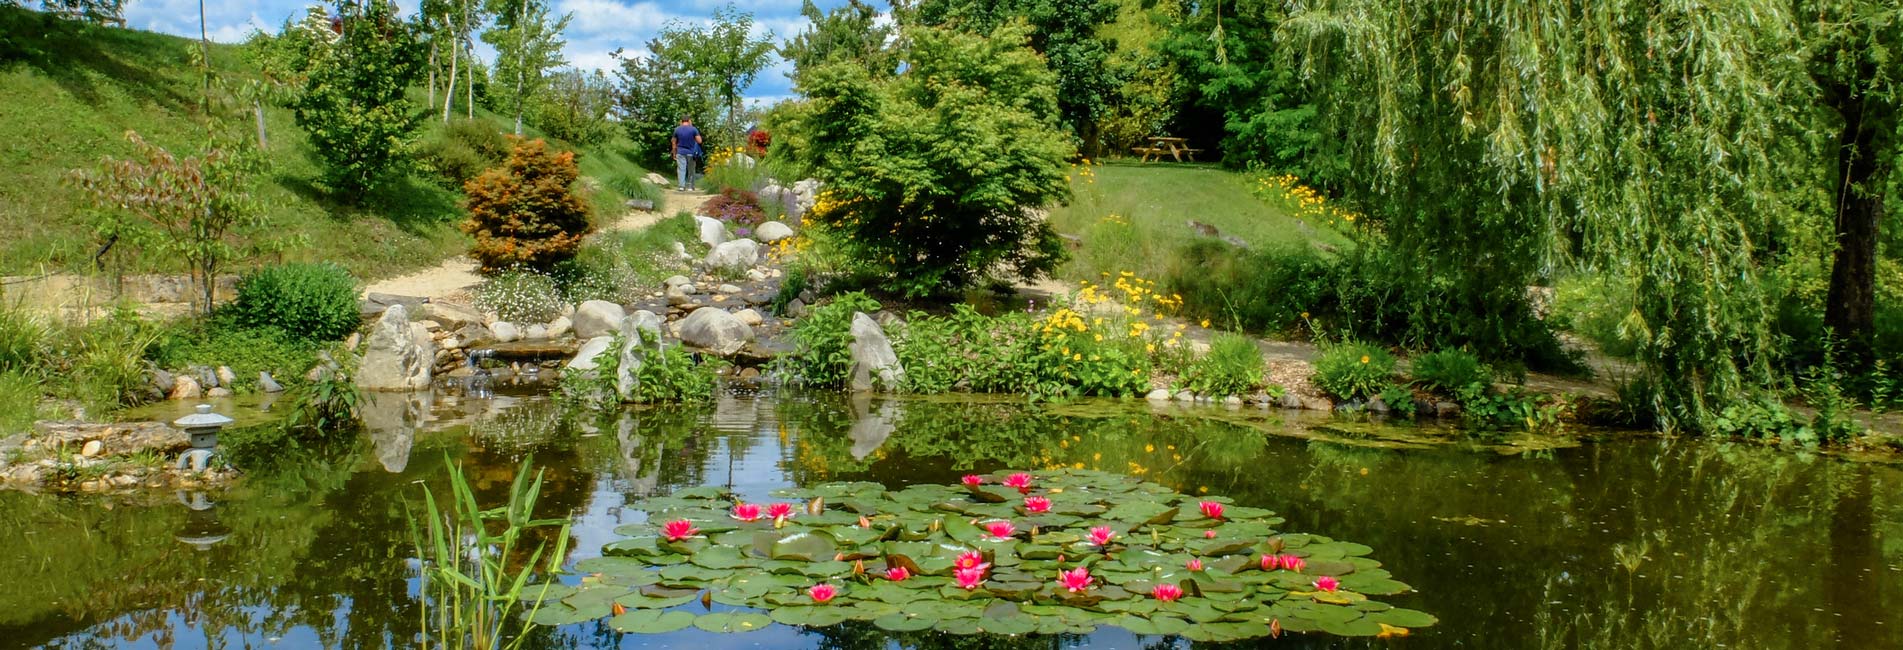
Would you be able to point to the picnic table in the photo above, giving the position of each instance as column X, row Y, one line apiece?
column 1176, row 148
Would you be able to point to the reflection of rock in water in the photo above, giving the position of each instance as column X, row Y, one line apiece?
column 736, row 414
column 516, row 427
column 642, row 478
column 392, row 420
column 871, row 428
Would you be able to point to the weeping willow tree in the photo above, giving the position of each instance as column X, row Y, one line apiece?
column 1649, row 141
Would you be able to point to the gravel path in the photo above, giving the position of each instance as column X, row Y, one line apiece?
column 454, row 280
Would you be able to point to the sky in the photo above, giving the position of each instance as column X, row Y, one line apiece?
column 599, row 26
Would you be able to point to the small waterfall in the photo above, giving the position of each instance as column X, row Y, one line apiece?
column 480, row 383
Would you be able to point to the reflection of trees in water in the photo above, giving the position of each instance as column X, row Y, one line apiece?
column 860, row 635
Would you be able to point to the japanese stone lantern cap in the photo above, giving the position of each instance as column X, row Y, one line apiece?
column 203, row 418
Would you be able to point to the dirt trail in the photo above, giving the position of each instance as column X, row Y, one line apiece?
column 454, row 279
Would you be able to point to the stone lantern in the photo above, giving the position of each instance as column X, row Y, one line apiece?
column 202, row 428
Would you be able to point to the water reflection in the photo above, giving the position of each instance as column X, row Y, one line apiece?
column 1630, row 543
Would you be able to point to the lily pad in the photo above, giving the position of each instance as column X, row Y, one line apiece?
column 733, row 622
column 648, row 621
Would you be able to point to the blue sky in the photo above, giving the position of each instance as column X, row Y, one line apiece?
column 599, row 27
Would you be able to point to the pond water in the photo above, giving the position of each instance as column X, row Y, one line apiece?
column 1611, row 541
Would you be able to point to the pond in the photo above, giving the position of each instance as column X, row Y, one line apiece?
column 1606, row 541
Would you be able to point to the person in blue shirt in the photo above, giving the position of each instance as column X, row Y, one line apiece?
column 686, row 147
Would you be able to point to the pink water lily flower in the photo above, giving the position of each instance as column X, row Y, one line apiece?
column 780, row 511
column 973, row 480
column 746, row 511
column 897, row 574
column 1271, row 562
column 969, row 559
column 822, row 592
column 1166, row 592
column 1001, row 529
column 1074, row 580
column 1327, row 583
column 1037, row 504
column 1020, row 480
column 678, row 530
column 1101, row 535
column 1209, row 534
column 1194, row 564
column 1211, row 509
column 1292, row 563
column 970, row 578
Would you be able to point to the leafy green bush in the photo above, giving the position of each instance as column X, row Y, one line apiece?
column 103, row 363
column 313, row 302
column 1269, row 290
column 1354, row 370
column 1453, row 372
column 630, row 187
column 822, row 340
column 21, row 335
column 967, row 351
column 933, row 176
column 521, row 296
column 462, row 150
column 667, row 374
column 1233, row 366
column 246, row 350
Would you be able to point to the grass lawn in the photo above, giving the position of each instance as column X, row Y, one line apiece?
column 73, row 92
column 1135, row 216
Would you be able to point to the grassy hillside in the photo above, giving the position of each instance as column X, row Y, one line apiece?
column 73, row 91
column 1135, row 217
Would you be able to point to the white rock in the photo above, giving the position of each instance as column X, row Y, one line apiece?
column 536, row 332
column 680, row 250
column 226, row 377
column 505, row 331
column 560, row 327
column 712, row 231
column 728, row 289
column 751, row 317
column 736, row 254
column 452, row 317
column 757, row 275
column 597, row 318
column 649, row 324
column 715, row 330
column 1158, row 395
column 393, row 359
column 676, row 281
column 93, row 448
column 585, row 357
column 874, row 364
column 772, row 231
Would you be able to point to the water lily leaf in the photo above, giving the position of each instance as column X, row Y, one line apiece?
column 634, row 547
column 649, row 621
column 1222, row 547
column 721, row 557
column 1140, row 512
column 1404, row 618
column 1352, row 627
column 733, row 622
column 903, row 622
column 810, row 615
column 808, row 546
column 703, row 492
column 1154, row 625
column 559, row 614
column 1376, row 586
column 962, row 531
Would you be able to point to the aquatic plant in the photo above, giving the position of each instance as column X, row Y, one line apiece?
column 1123, row 552
column 476, row 580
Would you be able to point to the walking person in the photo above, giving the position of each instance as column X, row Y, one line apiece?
column 686, row 147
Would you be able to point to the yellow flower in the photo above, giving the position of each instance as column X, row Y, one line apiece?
column 1149, row 449
column 1151, row 348
column 1364, row 358
column 1080, row 357
column 1099, row 337
column 1205, row 323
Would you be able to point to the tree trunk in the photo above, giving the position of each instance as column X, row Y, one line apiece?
column 1850, row 308
column 204, row 52
column 449, row 92
column 257, row 108
column 521, row 64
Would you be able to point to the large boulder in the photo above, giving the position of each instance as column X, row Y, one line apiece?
column 712, row 231
column 588, row 357
column 715, row 330
column 394, row 360
column 374, row 304
column 772, row 231
column 874, row 365
column 506, row 332
column 649, row 323
column 597, row 318
column 739, row 253
column 627, row 379
column 451, row 317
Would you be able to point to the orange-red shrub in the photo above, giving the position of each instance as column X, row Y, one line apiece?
column 525, row 213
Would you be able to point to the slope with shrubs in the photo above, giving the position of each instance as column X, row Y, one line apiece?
column 74, row 91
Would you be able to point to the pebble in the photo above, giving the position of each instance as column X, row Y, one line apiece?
column 93, row 448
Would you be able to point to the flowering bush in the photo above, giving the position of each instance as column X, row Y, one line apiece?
column 1354, row 370
column 521, row 296
column 736, row 206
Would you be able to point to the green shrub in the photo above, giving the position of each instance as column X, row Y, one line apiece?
column 312, row 302
column 1354, row 370
column 103, row 363
column 246, row 350
column 21, row 335
column 1272, row 290
column 967, row 351
column 1233, row 366
column 630, row 186
column 668, row 374
column 453, row 162
column 19, row 401
column 821, row 355
column 1453, row 372
column 521, row 296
